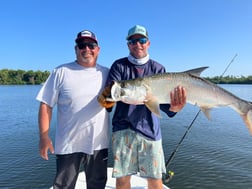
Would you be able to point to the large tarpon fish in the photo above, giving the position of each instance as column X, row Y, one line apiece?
column 154, row 90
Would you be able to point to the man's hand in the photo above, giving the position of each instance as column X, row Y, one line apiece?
column 178, row 99
column 102, row 98
column 45, row 144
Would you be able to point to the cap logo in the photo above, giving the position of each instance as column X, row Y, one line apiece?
column 86, row 33
column 140, row 30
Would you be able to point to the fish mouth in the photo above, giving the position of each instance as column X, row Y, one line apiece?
column 116, row 92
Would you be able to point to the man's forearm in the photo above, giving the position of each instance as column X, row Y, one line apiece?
column 44, row 119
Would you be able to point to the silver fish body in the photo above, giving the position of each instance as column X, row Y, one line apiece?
column 154, row 90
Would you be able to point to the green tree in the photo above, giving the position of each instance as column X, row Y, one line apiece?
column 4, row 77
column 29, row 77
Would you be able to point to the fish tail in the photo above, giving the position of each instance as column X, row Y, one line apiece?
column 248, row 120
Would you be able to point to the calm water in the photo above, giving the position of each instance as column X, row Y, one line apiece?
column 214, row 154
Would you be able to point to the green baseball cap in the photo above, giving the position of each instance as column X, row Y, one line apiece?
column 137, row 29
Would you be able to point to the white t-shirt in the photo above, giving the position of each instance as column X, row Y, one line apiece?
column 82, row 124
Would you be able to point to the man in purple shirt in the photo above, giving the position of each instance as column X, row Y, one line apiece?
column 136, row 139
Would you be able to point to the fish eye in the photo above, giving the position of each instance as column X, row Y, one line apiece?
column 122, row 84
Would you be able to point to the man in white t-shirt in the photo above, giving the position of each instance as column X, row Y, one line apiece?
column 82, row 124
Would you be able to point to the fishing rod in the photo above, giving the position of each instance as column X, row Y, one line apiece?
column 168, row 176
column 228, row 65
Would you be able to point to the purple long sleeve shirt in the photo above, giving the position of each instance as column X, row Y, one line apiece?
column 136, row 117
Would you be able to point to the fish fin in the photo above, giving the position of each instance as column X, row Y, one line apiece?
column 206, row 111
column 248, row 120
column 196, row 71
column 153, row 106
column 151, row 102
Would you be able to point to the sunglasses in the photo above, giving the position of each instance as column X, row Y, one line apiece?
column 89, row 45
column 140, row 40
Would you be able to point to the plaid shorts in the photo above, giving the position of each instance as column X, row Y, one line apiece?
column 135, row 153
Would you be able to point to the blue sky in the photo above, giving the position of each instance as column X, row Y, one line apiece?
column 184, row 34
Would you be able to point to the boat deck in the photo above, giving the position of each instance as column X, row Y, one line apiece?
column 136, row 182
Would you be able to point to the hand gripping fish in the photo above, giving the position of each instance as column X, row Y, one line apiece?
column 154, row 90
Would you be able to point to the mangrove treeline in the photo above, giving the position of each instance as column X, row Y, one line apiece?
column 22, row 77
column 30, row 77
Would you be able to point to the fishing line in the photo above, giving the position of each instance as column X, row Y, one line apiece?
column 168, row 176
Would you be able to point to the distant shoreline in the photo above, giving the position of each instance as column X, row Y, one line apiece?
column 30, row 77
